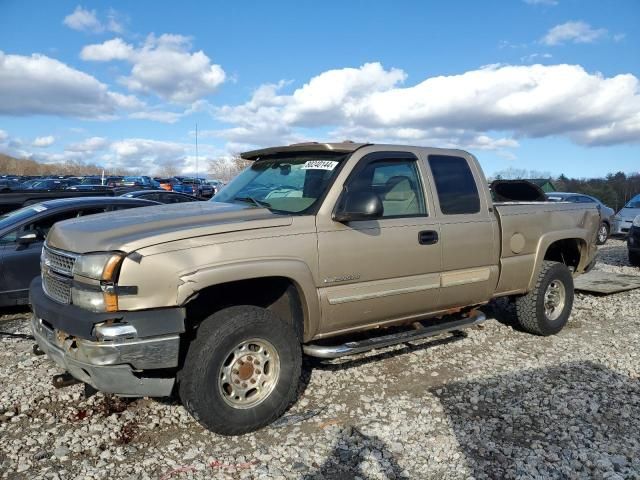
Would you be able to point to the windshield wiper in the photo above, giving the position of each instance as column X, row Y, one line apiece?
column 255, row 201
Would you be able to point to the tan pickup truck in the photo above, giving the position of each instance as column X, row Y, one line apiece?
column 217, row 301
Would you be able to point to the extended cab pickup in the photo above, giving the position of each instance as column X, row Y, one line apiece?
column 217, row 301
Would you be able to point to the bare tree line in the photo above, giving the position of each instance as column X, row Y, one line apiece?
column 226, row 169
column 221, row 169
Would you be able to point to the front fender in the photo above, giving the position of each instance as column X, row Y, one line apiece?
column 297, row 271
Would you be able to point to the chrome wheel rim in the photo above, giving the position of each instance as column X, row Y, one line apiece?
column 554, row 299
column 602, row 233
column 249, row 373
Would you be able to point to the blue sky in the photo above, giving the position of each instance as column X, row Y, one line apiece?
column 545, row 85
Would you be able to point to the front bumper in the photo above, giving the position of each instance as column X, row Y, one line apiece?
column 134, row 365
column 621, row 227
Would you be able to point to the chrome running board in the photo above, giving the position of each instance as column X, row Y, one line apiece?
column 351, row 348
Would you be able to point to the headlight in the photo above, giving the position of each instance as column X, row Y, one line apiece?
column 94, row 299
column 636, row 221
column 98, row 266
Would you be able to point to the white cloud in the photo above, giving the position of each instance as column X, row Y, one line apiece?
column 85, row 20
column 162, row 65
column 574, row 32
column 535, row 57
column 485, row 108
column 114, row 23
column 3, row 135
column 552, row 3
column 145, row 153
column 42, row 142
column 38, row 84
column 89, row 145
column 114, row 49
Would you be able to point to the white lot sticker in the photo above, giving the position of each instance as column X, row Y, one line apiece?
column 319, row 165
column 39, row 208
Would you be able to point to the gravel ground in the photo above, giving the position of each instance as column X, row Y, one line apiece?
column 490, row 403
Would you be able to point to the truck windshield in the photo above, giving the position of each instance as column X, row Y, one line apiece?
column 283, row 183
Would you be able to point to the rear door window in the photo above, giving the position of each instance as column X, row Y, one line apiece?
column 455, row 185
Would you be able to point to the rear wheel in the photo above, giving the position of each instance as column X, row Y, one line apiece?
column 603, row 233
column 241, row 371
column 634, row 258
column 545, row 310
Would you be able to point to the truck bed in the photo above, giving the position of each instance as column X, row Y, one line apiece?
column 528, row 228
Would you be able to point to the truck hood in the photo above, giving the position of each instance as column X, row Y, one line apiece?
column 129, row 230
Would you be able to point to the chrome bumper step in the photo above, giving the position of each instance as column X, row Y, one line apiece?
column 351, row 348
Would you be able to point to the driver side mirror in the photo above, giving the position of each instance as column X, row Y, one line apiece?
column 28, row 238
column 356, row 206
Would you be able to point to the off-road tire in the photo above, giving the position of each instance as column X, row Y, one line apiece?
column 634, row 258
column 218, row 335
column 603, row 227
column 530, row 308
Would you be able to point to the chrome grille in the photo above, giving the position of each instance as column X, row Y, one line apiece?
column 55, row 287
column 58, row 261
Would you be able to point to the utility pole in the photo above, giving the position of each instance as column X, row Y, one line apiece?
column 196, row 150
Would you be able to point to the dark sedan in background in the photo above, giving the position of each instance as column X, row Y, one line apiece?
column 605, row 211
column 633, row 242
column 23, row 231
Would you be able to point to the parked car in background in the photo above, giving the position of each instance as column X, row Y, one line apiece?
column 28, row 183
column 161, row 196
column 216, row 185
column 166, row 183
column 198, row 187
column 203, row 188
column 52, row 184
column 605, row 211
column 9, row 185
column 23, row 231
column 89, row 188
column 183, row 187
column 623, row 220
column 633, row 242
column 140, row 181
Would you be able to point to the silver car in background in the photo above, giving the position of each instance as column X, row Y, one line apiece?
column 624, row 218
column 606, row 213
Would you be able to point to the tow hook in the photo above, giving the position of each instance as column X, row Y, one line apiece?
column 64, row 380
column 37, row 350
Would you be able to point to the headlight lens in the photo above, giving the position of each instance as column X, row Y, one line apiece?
column 101, row 299
column 98, row 266
column 636, row 221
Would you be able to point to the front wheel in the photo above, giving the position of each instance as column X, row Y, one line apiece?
column 241, row 371
column 603, row 234
column 634, row 258
column 545, row 310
